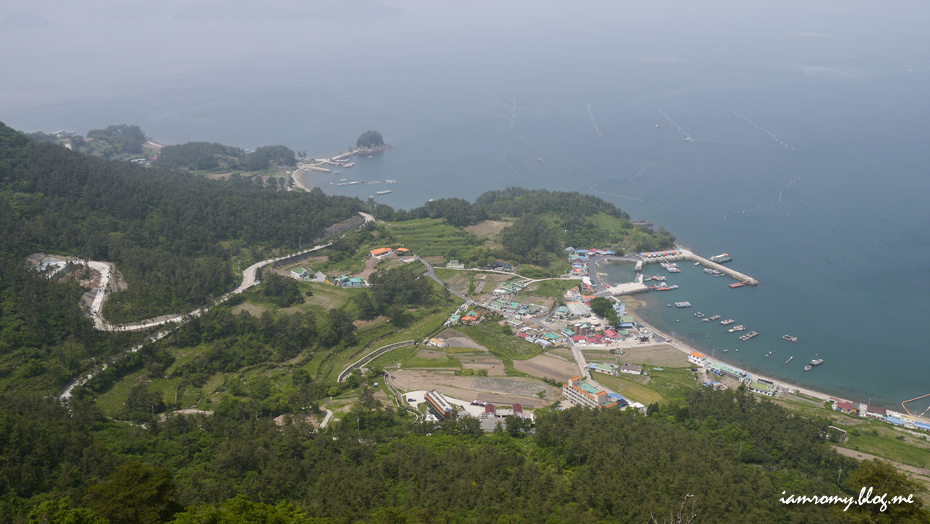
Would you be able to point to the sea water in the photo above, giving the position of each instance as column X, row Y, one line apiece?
column 794, row 139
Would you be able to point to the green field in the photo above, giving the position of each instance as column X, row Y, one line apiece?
column 549, row 288
column 432, row 237
column 629, row 389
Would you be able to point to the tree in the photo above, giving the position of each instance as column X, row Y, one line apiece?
column 365, row 307
column 135, row 494
column 369, row 139
column 141, row 403
column 881, row 477
column 58, row 512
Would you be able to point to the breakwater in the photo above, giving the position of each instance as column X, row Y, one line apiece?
column 689, row 256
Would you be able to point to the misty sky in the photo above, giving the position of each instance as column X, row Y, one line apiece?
column 64, row 56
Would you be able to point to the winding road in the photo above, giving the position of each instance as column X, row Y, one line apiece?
column 249, row 279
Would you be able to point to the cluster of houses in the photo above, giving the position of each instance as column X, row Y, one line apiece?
column 769, row 388
column 886, row 415
column 385, row 252
column 542, row 338
column 466, row 314
column 302, row 273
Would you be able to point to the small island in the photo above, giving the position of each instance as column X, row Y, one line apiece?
column 370, row 139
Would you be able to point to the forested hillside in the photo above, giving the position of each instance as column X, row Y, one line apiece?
column 582, row 466
column 260, row 370
column 172, row 236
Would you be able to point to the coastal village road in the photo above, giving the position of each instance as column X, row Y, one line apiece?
column 919, row 473
column 432, row 274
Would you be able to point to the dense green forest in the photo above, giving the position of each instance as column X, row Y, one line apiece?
column 257, row 458
column 369, row 139
column 733, row 453
column 205, row 156
column 163, row 228
column 171, row 235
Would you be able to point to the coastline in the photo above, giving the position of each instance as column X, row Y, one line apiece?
column 317, row 166
column 688, row 349
column 790, row 388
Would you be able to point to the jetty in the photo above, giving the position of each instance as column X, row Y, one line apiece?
column 684, row 254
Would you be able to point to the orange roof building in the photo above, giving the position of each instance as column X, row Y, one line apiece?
column 381, row 252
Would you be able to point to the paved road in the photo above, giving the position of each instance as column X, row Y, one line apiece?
column 430, row 272
column 249, row 279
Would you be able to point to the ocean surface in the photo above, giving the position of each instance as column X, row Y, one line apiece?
column 792, row 136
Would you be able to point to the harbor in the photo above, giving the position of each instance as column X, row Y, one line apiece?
column 680, row 254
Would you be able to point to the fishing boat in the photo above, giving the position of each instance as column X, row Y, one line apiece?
column 727, row 322
column 721, row 258
column 715, row 317
column 383, row 192
column 737, row 328
column 789, row 338
column 789, row 359
column 815, row 362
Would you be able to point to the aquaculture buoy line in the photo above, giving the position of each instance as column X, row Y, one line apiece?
column 591, row 116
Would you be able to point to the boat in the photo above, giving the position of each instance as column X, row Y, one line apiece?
column 737, row 328
column 727, row 322
column 738, row 284
column 725, row 350
column 749, row 335
column 715, row 317
column 721, row 258
column 789, row 359
column 697, row 263
column 541, row 161
column 789, row 338
column 815, row 362
column 699, row 314
column 353, row 183
column 383, row 192
column 664, row 287
column 706, row 320
column 682, row 304
column 344, row 180
column 342, row 184
column 350, row 164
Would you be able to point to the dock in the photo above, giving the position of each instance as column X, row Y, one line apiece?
column 688, row 255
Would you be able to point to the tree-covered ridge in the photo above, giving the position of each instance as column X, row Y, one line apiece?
column 581, row 466
column 120, row 139
column 518, row 202
column 206, row 156
column 170, row 234
column 369, row 139
column 198, row 156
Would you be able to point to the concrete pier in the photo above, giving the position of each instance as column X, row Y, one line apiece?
column 687, row 255
column 639, row 266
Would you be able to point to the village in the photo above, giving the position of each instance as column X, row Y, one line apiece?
column 581, row 353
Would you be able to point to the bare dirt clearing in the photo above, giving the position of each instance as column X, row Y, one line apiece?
column 545, row 366
column 496, row 390
column 488, row 227
column 458, row 340
column 252, row 309
column 662, row 355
